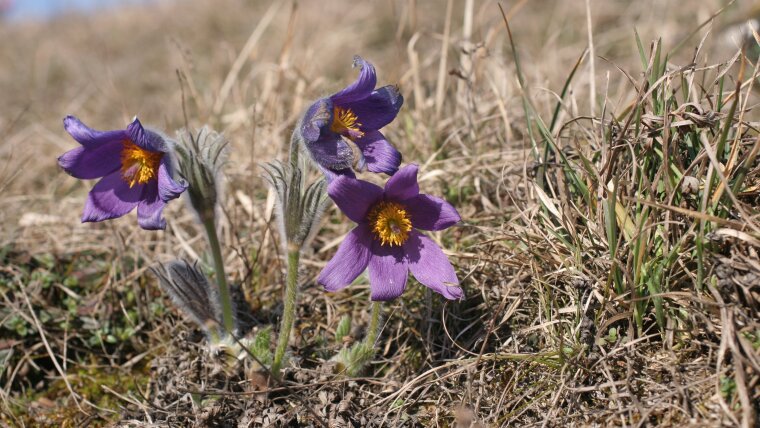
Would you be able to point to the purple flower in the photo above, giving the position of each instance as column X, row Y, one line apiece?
column 386, row 239
column 134, row 168
column 356, row 113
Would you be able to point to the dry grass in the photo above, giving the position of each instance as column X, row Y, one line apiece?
column 608, row 254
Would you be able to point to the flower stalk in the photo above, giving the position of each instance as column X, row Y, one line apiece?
column 201, row 158
column 298, row 212
column 289, row 311
column 228, row 314
column 352, row 361
column 374, row 325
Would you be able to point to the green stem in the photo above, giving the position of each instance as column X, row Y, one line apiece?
column 228, row 316
column 289, row 312
column 358, row 356
column 374, row 325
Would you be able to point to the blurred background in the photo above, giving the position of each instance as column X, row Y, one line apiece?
column 40, row 9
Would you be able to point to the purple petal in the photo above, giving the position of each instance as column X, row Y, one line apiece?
column 89, row 137
column 150, row 209
column 111, row 198
column 331, row 152
column 378, row 154
column 317, row 116
column 362, row 87
column 354, row 197
column 331, row 175
column 431, row 213
column 403, row 184
column 388, row 272
column 431, row 267
column 168, row 189
column 145, row 138
column 377, row 110
column 350, row 260
column 94, row 161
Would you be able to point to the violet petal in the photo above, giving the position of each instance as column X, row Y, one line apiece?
column 89, row 137
column 150, row 209
column 354, row 197
column 110, row 198
column 94, row 161
column 388, row 272
column 331, row 175
column 431, row 267
column 403, row 184
column 378, row 154
column 168, row 189
column 362, row 86
column 349, row 261
column 378, row 109
column 317, row 116
column 331, row 152
column 145, row 138
column 431, row 213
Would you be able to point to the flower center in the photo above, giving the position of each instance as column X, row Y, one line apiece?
column 345, row 122
column 138, row 166
column 390, row 223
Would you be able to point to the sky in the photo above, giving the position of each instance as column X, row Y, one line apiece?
column 21, row 9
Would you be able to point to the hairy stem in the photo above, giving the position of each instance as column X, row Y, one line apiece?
column 374, row 325
column 228, row 316
column 356, row 358
column 294, row 147
column 289, row 312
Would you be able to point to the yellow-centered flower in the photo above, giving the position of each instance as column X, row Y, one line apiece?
column 138, row 165
column 390, row 223
column 346, row 122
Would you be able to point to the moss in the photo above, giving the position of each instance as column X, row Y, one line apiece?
column 54, row 406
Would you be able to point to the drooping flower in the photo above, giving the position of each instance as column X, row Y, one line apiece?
column 386, row 239
column 356, row 113
column 134, row 167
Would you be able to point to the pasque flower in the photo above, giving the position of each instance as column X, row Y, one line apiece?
column 357, row 113
column 385, row 239
column 134, row 167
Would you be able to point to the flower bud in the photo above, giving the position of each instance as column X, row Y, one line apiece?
column 298, row 209
column 193, row 294
column 201, row 158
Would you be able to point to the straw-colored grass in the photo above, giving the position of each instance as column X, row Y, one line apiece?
column 603, row 155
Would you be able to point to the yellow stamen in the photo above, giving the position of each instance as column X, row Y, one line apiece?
column 345, row 122
column 138, row 165
column 390, row 223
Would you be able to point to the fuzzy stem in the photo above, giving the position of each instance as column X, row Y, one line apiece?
column 289, row 312
column 294, row 148
column 374, row 325
column 228, row 316
column 358, row 356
